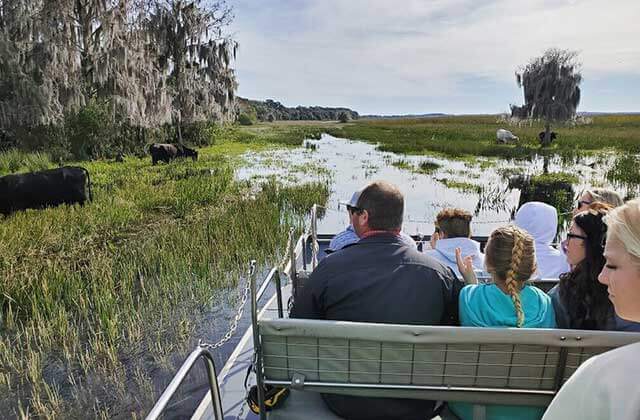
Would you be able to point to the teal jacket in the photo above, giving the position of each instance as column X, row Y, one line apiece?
column 485, row 305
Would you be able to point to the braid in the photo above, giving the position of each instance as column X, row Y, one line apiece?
column 511, row 282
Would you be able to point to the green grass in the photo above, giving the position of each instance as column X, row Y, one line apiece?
column 625, row 171
column 427, row 167
column 467, row 137
column 460, row 185
column 424, row 167
column 15, row 160
column 402, row 164
column 96, row 299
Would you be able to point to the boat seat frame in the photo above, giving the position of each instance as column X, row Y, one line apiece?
column 475, row 365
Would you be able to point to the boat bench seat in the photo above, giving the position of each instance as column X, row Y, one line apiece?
column 476, row 365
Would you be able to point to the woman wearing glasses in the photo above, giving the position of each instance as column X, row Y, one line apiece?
column 605, row 387
column 579, row 300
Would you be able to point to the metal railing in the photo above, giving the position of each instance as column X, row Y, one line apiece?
column 288, row 268
column 202, row 351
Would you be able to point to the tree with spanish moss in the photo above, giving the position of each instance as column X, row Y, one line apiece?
column 551, row 85
column 59, row 55
column 194, row 54
column 140, row 63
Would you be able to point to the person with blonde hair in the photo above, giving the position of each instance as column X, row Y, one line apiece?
column 506, row 302
column 597, row 195
column 605, row 386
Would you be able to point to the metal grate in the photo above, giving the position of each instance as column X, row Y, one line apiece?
column 355, row 361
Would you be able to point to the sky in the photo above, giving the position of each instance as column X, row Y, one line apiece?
column 391, row 57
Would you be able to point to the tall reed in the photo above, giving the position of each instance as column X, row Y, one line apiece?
column 98, row 301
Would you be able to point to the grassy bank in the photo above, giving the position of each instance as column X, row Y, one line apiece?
column 469, row 136
column 98, row 300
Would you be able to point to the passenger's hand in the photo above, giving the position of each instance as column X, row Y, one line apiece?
column 434, row 239
column 465, row 267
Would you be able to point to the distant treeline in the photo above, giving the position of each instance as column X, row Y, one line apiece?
column 270, row 110
column 404, row 116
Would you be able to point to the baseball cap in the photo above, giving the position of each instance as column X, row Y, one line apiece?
column 353, row 202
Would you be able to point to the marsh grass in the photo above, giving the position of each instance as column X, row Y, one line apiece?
column 99, row 300
column 472, row 136
column 402, row 164
column 461, row 185
column 625, row 171
column 428, row 166
column 424, row 167
column 15, row 160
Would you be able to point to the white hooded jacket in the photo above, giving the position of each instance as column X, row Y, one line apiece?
column 445, row 252
column 541, row 221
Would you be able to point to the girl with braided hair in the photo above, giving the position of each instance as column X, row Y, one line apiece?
column 506, row 302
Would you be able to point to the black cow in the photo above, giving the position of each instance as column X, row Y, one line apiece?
column 552, row 136
column 168, row 152
column 35, row 190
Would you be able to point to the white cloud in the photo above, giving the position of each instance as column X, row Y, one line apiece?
column 320, row 52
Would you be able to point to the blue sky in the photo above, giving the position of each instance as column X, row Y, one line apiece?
column 421, row 56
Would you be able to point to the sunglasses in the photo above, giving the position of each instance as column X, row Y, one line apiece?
column 573, row 235
column 352, row 209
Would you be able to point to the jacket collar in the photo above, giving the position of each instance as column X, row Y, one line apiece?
column 381, row 237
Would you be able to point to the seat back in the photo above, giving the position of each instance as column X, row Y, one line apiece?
column 477, row 365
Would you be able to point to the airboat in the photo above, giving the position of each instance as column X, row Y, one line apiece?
column 480, row 366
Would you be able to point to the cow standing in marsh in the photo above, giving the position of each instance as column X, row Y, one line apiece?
column 505, row 136
column 167, row 152
column 49, row 188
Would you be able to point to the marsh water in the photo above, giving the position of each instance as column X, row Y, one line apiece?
column 479, row 186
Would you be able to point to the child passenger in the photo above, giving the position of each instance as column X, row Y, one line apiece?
column 507, row 302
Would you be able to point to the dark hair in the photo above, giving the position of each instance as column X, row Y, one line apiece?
column 455, row 223
column 384, row 203
column 586, row 299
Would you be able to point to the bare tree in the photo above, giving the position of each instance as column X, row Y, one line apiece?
column 551, row 89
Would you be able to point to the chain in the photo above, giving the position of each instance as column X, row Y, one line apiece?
column 244, row 295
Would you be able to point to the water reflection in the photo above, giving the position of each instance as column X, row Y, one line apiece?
column 480, row 187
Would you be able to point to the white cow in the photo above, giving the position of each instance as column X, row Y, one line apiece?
column 505, row 136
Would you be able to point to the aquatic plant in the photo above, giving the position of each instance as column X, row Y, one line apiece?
column 460, row 185
column 625, row 171
column 402, row 164
column 428, row 166
column 555, row 189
